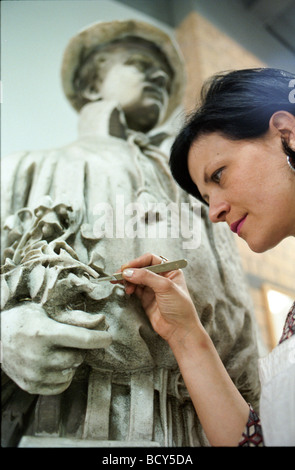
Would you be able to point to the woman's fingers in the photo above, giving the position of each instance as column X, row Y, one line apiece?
column 138, row 264
column 143, row 277
column 148, row 259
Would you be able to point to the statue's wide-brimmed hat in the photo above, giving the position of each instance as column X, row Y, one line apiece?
column 102, row 33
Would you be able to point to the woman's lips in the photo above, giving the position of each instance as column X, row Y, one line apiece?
column 236, row 226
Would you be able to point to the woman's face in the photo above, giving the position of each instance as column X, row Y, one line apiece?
column 248, row 185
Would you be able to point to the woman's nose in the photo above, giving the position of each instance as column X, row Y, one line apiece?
column 218, row 211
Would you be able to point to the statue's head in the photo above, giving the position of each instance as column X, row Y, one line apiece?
column 133, row 63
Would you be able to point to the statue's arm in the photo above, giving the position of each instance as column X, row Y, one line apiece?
column 40, row 353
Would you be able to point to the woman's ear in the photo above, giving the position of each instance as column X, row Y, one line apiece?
column 284, row 123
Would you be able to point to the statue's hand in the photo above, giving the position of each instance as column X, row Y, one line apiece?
column 41, row 354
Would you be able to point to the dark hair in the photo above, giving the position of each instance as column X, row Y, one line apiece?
column 238, row 105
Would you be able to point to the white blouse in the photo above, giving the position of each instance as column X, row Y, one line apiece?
column 277, row 403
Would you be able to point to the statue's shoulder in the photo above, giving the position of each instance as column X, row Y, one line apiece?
column 17, row 157
column 13, row 158
column 36, row 156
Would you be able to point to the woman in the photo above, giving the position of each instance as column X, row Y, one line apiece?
column 237, row 155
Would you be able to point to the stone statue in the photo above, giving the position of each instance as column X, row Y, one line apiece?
column 81, row 363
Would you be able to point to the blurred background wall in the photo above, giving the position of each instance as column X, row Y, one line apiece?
column 214, row 35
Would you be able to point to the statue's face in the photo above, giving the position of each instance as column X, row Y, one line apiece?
column 134, row 75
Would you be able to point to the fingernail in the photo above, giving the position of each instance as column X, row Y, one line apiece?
column 128, row 272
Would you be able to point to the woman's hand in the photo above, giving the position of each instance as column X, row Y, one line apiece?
column 165, row 298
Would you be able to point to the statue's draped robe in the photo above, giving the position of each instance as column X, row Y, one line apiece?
column 132, row 391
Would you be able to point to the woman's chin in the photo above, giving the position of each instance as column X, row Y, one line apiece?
column 261, row 246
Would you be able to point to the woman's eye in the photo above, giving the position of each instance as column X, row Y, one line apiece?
column 217, row 175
